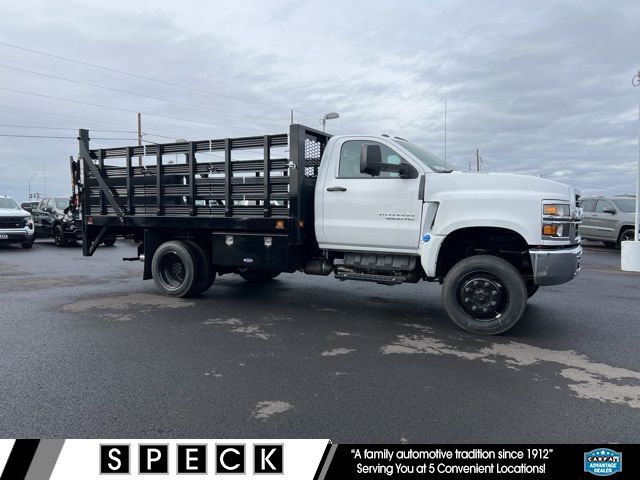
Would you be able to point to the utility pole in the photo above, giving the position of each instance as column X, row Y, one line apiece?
column 139, row 136
column 477, row 159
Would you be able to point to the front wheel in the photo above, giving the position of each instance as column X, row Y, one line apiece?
column 109, row 242
column 484, row 294
column 27, row 245
column 626, row 235
column 58, row 237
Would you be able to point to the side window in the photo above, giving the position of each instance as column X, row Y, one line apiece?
column 589, row 205
column 350, row 160
column 601, row 205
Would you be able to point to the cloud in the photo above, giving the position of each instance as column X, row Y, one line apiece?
column 541, row 86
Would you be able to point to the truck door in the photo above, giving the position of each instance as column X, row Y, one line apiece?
column 369, row 213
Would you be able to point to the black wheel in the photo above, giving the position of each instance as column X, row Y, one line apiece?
column 27, row 245
column 204, row 272
column 484, row 294
column 258, row 276
column 109, row 242
column 626, row 235
column 609, row 244
column 58, row 236
column 532, row 288
column 174, row 269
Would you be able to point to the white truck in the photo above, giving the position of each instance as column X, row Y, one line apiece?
column 368, row 208
column 16, row 224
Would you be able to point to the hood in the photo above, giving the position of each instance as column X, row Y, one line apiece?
column 513, row 183
column 12, row 212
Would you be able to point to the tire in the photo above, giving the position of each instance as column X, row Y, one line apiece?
column 174, row 270
column 204, row 271
column 532, row 288
column 609, row 244
column 499, row 299
column 58, row 236
column 109, row 242
column 258, row 276
column 626, row 234
column 27, row 245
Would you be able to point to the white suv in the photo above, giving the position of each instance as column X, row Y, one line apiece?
column 16, row 224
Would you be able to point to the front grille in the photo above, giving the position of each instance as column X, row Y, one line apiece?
column 11, row 222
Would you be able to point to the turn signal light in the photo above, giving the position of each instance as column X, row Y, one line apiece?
column 280, row 224
column 550, row 229
column 551, row 210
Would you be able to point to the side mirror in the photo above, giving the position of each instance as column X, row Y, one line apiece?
column 370, row 160
column 609, row 210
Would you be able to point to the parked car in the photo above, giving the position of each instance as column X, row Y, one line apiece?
column 16, row 224
column 608, row 219
column 29, row 206
column 54, row 217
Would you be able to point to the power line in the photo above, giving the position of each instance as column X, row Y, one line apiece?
column 125, row 109
column 64, row 128
column 177, row 102
column 156, row 80
column 71, row 138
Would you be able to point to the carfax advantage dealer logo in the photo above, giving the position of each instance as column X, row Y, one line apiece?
column 602, row 462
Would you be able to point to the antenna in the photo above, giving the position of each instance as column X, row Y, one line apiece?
column 445, row 132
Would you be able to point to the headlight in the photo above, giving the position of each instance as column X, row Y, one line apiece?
column 556, row 220
column 27, row 220
column 556, row 210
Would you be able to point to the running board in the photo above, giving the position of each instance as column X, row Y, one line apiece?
column 368, row 277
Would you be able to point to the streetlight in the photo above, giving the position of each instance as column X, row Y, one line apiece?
column 328, row 116
column 630, row 250
column 35, row 174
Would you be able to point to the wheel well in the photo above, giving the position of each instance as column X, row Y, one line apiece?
column 470, row 241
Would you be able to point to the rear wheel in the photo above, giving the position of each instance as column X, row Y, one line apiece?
column 258, row 276
column 484, row 294
column 109, row 242
column 174, row 269
column 58, row 236
column 204, row 270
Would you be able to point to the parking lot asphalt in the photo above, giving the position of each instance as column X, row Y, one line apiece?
column 90, row 350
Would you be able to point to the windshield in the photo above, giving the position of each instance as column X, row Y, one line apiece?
column 62, row 203
column 627, row 205
column 8, row 203
column 429, row 159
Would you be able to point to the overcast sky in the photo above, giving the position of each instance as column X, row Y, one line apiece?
column 539, row 87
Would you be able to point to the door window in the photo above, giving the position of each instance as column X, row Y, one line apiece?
column 350, row 160
column 588, row 205
column 602, row 205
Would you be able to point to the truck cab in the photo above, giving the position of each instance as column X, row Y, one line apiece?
column 389, row 211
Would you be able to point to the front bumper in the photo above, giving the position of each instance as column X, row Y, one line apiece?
column 15, row 236
column 72, row 231
column 555, row 267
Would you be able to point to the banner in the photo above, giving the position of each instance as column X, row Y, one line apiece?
column 56, row 459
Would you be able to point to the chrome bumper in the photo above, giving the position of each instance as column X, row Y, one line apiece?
column 555, row 267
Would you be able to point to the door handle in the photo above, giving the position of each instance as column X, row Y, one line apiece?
column 336, row 189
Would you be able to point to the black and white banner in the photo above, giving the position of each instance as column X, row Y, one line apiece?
column 54, row 459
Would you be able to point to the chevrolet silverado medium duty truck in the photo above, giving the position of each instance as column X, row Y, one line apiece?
column 363, row 208
column 16, row 224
